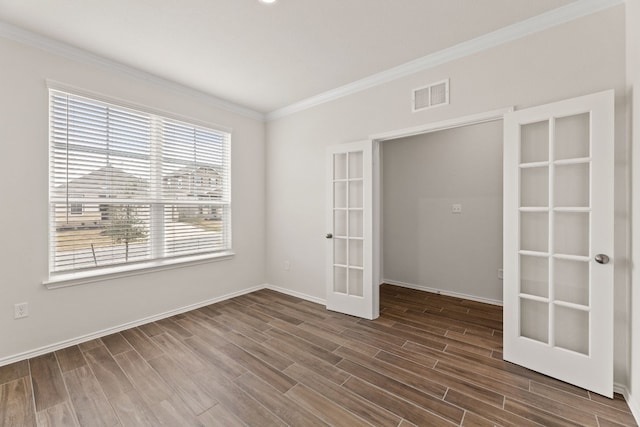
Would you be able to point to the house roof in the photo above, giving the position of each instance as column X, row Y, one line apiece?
column 100, row 180
column 188, row 171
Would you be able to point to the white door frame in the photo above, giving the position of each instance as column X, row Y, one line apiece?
column 488, row 116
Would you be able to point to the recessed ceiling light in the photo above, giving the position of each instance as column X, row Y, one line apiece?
column 267, row 1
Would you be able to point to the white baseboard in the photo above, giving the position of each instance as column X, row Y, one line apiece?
column 296, row 294
column 88, row 337
column 634, row 404
column 443, row 292
column 618, row 388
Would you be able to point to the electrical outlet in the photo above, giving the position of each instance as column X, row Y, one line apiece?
column 500, row 274
column 456, row 208
column 287, row 266
column 21, row 310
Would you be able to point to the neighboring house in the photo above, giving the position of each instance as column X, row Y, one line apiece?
column 95, row 185
column 200, row 183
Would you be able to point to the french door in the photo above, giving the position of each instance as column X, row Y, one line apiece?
column 350, row 282
column 558, row 240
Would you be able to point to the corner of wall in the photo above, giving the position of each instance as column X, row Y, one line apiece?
column 296, row 294
column 632, row 13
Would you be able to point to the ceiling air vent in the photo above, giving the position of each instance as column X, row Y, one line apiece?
column 433, row 95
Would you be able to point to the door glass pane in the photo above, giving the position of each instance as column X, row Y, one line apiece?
column 340, row 251
column 534, row 276
column 572, row 233
column 355, row 194
column 571, row 280
column 355, row 224
column 355, row 282
column 572, row 137
column 534, row 187
column 340, row 166
column 572, row 185
column 339, row 194
column 340, row 222
column 340, row 280
column 534, row 231
column 355, row 164
column 534, row 142
column 534, row 320
column 572, row 329
column 355, row 253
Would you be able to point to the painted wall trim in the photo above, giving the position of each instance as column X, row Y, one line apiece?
column 29, row 38
column 634, row 405
column 473, row 119
column 296, row 294
column 108, row 331
column 443, row 292
column 509, row 33
column 504, row 35
column 75, row 279
column 618, row 388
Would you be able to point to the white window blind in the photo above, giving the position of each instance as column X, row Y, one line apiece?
column 128, row 186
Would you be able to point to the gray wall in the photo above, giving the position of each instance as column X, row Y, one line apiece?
column 424, row 243
column 583, row 56
column 633, row 87
column 576, row 58
column 69, row 313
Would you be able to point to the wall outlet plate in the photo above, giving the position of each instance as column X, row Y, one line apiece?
column 456, row 208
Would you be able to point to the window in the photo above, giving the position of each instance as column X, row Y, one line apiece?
column 116, row 186
column 76, row 208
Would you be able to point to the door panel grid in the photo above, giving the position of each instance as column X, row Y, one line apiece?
column 348, row 225
column 547, row 184
column 350, row 275
column 558, row 222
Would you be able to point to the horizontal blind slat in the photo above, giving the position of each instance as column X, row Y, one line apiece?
column 109, row 165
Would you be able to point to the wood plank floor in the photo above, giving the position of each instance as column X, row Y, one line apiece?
column 267, row 359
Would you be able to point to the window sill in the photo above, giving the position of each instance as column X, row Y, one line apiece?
column 80, row 278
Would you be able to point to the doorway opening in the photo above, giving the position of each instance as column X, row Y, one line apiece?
column 441, row 216
column 437, row 210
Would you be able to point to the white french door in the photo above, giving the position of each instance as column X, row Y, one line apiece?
column 350, row 284
column 558, row 240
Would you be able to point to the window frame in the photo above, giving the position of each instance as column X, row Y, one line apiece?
column 75, row 276
column 76, row 208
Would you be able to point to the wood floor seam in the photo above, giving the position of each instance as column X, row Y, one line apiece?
column 268, row 359
column 74, row 415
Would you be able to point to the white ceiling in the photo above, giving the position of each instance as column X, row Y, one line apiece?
column 266, row 57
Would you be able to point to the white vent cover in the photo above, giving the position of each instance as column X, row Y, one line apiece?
column 433, row 95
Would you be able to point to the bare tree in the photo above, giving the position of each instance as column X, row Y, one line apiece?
column 124, row 226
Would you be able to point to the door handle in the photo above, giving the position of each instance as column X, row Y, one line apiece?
column 329, row 236
column 602, row 259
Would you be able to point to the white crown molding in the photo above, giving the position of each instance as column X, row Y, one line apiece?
column 512, row 32
column 504, row 35
column 29, row 38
